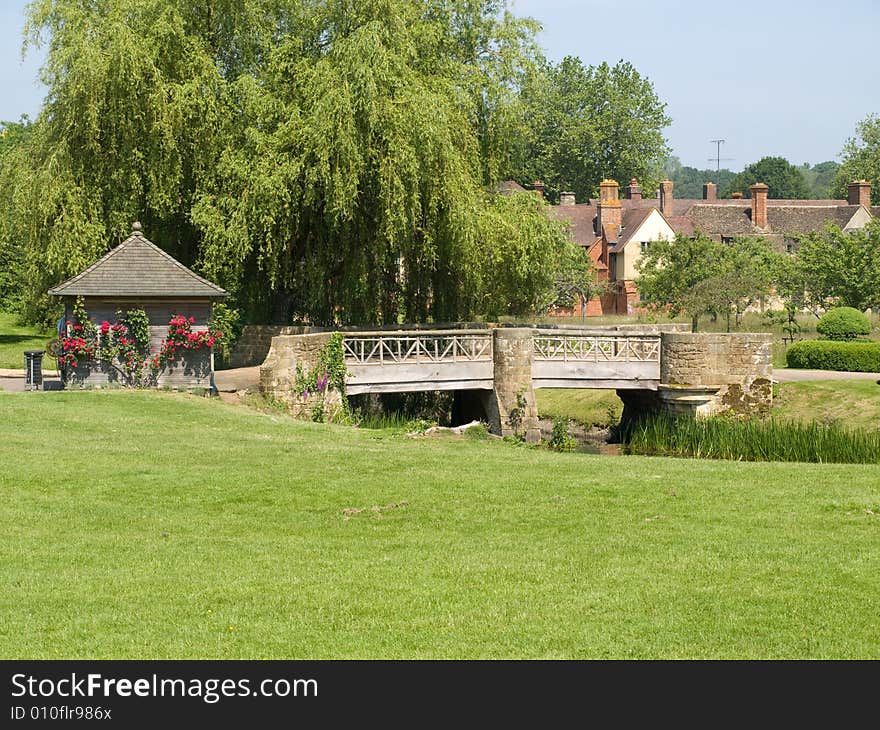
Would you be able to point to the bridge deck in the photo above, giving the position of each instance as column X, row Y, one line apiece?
column 382, row 362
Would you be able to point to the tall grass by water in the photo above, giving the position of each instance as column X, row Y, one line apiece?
column 753, row 440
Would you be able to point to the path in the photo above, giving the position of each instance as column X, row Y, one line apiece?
column 791, row 375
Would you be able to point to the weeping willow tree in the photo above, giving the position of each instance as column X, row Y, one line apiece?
column 352, row 191
column 323, row 160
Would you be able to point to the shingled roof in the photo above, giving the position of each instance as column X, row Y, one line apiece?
column 138, row 268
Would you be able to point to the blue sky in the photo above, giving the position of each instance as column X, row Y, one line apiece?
column 772, row 77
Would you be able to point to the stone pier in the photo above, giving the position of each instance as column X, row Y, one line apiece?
column 511, row 408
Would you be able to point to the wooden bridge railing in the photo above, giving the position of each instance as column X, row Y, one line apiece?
column 438, row 346
column 576, row 347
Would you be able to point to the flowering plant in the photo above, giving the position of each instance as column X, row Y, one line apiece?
column 182, row 338
column 125, row 345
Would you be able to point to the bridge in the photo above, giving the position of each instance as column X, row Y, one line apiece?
column 400, row 362
column 498, row 368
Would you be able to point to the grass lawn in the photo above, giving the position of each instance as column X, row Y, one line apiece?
column 15, row 339
column 140, row 525
column 852, row 403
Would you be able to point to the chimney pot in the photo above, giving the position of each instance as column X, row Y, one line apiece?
column 710, row 191
column 759, row 204
column 736, row 196
column 567, row 198
column 859, row 193
column 633, row 191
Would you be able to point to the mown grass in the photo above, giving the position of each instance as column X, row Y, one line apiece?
column 585, row 406
column 850, row 403
column 753, row 440
column 16, row 338
column 138, row 525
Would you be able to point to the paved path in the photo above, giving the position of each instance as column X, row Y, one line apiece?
column 791, row 375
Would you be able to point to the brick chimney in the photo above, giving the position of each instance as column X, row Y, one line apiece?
column 666, row 197
column 759, row 204
column 538, row 187
column 860, row 193
column 567, row 198
column 609, row 214
column 710, row 191
column 633, row 191
column 608, row 190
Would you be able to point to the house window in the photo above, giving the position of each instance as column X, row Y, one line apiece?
column 727, row 240
column 645, row 246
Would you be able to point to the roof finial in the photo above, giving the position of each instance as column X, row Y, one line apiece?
column 135, row 228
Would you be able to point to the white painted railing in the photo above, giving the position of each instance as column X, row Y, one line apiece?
column 375, row 348
column 596, row 348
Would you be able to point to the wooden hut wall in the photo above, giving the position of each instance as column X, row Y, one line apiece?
column 196, row 368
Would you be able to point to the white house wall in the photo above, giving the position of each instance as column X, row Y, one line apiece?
column 653, row 228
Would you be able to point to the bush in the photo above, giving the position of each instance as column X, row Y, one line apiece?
column 862, row 357
column 843, row 323
column 562, row 440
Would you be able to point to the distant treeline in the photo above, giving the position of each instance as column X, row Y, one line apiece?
column 804, row 181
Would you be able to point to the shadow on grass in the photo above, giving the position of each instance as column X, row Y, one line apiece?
column 18, row 339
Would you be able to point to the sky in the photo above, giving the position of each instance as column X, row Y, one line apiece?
column 788, row 78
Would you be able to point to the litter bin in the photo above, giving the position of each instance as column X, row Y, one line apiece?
column 33, row 369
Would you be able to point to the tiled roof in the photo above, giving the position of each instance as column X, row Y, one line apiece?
column 139, row 268
column 802, row 219
column 632, row 219
column 509, row 186
column 580, row 219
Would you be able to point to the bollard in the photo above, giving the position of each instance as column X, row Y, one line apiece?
column 33, row 369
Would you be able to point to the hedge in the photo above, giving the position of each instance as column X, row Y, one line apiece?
column 860, row 357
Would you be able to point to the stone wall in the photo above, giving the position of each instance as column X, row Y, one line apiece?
column 708, row 373
column 278, row 373
column 255, row 341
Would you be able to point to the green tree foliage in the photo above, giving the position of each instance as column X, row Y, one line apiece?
column 321, row 160
column 842, row 268
column 784, row 179
column 700, row 276
column 586, row 123
column 128, row 128
column 525, row 257
column 688, row 181
column 861, row 159
column 13, row 136
column 820, row 178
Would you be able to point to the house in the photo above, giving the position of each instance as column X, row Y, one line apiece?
column 137, row 274
column 615, row 231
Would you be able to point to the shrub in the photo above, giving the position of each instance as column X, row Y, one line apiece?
column 843, row 323
column 562, row 440
column 863, row 357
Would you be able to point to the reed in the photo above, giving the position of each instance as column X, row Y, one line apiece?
column 753, row 440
